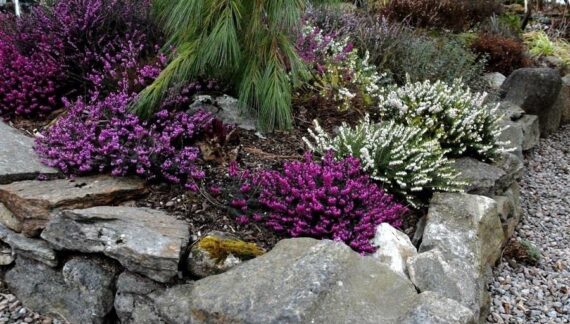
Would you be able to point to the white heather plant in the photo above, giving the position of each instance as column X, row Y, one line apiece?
column 452, row 114
column 406, row 162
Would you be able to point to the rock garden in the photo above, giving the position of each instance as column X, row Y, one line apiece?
column 285, row 162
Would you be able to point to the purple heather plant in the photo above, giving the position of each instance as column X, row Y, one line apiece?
column 326, row 200
column 68, row 49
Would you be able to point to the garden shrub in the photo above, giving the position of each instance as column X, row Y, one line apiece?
column 502, row 54
column 325, row 200
column 459, row 119
column 457, row 15
column 339, row 75
column 402, row 158
column 66, row 49
column 398, row 50
column 541, row 45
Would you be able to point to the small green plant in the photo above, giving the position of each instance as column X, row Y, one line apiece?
column 451, row 114
column 402, row 158
column 541, row 45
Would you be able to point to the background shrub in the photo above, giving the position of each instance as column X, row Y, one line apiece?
column 402, row 158
column 452, row 114
column 325, row 200
column 398, row 50
column 457, row 15
column 502, row 54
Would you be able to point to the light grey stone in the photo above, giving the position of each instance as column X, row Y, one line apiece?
column 82, row 292
column 18, row 161
column 8, row 219
column 32, row 202
column 6, row 254
column 299, row 281
column 536, row 90
column 225, row 108
column 135, row 300
column 394, row 248
column 145, row 241
column 495, row 79
column 510, row 110
column 465, row 228
column 531, row 131
column 429, row 271
column 433, row 308
column 512, row 135
column 35, row 249
column 489, row 179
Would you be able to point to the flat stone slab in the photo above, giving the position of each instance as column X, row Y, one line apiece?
column 18, row 161
column 143, row 240
column 32, row 202
column 35, row 249
column 489, row 179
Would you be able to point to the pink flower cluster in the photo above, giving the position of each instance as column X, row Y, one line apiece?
column 324, row 200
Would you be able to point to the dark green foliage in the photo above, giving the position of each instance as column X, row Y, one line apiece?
column 244, row 42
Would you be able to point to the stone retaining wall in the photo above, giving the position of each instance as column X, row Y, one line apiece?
column 76, row 258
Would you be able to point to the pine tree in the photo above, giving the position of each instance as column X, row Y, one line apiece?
column 246, row 42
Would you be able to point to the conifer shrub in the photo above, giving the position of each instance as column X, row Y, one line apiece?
column 401, row 158
column 326, row 199
column 450, row 113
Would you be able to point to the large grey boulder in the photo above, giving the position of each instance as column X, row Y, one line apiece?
column 429, row 271
column 146, row 241
column 35, row 249
column 82, row 292
column 536, row 90
column 433, row 308
column 18, row 161
column 300, row 281
column 465, row 228
column 564, row 100
column 32, row 202
column 489, row 179
column 394, row 248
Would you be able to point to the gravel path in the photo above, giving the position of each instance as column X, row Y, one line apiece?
column 12, row 311
column 540, row 294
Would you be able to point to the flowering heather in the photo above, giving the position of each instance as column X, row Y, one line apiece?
column 338, row 71
column 325, row 200
column 406, row 162
column 68, row 49
column 453, row 115
column 104, row 137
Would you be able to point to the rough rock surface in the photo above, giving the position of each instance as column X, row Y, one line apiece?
column 564, row 100
column 465, row 228
column 12, row 311
column 135, row 300
column 495, row 79
column 146, row 241
column 394, row 248
column 18, row 161
column 300, row 281
column 432, row 308
column 429, row 271
column 6, row 254
column 512, row 134
column 9, row 220
column 32, row 202
column 531, row 131
column 510, row 110
column 36, row 249
column 536, row 90
column 226, row 108
column 508, row 207
column 82, row 292
column 489, row 179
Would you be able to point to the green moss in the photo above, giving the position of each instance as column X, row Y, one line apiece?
column 219, row 248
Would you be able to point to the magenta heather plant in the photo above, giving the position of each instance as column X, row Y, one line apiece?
column 71, row 48
column 325, row 200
